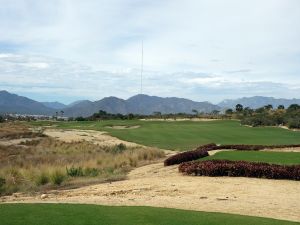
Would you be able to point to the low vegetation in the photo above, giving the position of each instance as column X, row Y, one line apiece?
column 202, row 151
column 240, row 169
column 66, row 214
column 43, row 163
column 267, row 116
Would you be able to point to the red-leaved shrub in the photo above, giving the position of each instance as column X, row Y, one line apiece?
column 240, row 169
column 198, row 153
column 202, row 151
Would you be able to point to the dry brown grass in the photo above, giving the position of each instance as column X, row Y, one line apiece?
column 45, row 163
column 15, row 130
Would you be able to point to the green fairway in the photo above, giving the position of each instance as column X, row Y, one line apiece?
column 185, row 135
column 284, row 158
column 71, row 214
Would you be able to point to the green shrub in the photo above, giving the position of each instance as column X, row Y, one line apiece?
column 2, row 183
column 119, row 148
column 74, row 171
column 42, row 179
column 91, row 172
column 294, row 124
column 57, row 177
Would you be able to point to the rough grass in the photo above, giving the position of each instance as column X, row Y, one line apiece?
column 47, row 163
column 66, row 214
column 281, row 158
column 187, row 135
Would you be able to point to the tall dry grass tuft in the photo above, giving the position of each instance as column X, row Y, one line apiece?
column 45, row 162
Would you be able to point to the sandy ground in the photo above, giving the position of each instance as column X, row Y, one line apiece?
column 96, row 137
column 156, row 185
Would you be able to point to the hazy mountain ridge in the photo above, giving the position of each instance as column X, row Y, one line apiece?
column 12, row 103
column 54, row 105
column 257, row 102
column 138, row 104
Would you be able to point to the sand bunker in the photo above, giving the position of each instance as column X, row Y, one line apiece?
column 96, row 137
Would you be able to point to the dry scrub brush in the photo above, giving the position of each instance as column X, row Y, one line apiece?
column 46, row 162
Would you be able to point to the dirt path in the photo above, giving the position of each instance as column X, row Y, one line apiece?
column 156, row 185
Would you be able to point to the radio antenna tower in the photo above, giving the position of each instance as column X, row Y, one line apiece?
column 142, row 65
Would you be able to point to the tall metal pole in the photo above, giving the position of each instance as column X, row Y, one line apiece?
column 142, row 67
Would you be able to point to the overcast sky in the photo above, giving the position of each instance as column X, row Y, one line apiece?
column 211, row 50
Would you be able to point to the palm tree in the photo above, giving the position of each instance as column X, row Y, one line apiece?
column 239, row 108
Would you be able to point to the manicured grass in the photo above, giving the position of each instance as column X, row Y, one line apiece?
column 284, row 158
column 186, row 135
column 71, row 214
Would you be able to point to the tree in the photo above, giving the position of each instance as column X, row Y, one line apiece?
column 62, row 113
column 239, row 108
column 293, row 107
column 195, row 111
column 268, row 107
column 215, row 112
column 280, row 107
column 248, row 111
column 130, row 116
column 157, row 114
column 229, row 112
column 1, row 119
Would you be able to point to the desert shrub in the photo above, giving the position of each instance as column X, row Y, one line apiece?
column 240, row 169
column 119, row 148
column 91, row 172
column 42, row 179
column 57, row 177
column 74, row 171
column 2, row 183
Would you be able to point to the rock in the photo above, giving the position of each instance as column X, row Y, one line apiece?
column 44, row 196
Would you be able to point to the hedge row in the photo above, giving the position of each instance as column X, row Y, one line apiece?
column 240, row 169
column 202, row 151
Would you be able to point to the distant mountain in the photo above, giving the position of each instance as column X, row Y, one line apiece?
column 54, row 105
column 75, row 103
column 257, row 102
column 12, row 103
column 139, row 104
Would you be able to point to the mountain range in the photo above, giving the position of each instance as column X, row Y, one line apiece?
column 138, row 104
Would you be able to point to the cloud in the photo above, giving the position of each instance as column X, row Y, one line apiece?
column 191, row 48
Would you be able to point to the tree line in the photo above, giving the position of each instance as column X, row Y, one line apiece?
column 267, row 115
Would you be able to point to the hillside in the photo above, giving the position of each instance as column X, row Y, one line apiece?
column 12, row 103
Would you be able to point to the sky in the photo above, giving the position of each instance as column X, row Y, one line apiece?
column 204, row 50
